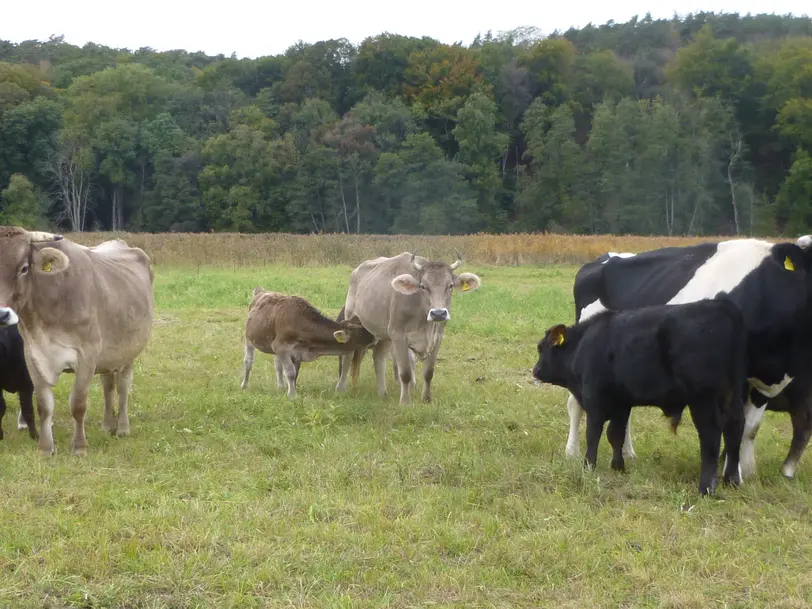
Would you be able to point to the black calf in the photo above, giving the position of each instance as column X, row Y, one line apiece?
column 14, row 377
column 671, row 356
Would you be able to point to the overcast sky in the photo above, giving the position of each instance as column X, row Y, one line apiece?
column 252, row 29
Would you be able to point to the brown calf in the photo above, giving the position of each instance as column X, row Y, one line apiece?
column 294, row 331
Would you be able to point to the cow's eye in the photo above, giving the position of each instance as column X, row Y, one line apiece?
column 23, row 269
column 423, row 287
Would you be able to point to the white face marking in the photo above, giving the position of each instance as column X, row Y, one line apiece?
column 804, row 242
column 724, row 270
column 11, row 318
column 591, row 309
column 770, row 391
column 616, row 255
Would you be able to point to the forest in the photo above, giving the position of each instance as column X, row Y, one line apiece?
column 695, row 125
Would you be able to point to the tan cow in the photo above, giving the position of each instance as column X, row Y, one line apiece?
column 84, row 310
column 294, row 331
column 405, row 302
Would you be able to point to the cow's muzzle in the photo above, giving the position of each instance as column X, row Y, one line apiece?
column 7, row 317
column 438, row 315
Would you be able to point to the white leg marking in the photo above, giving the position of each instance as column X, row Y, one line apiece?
column 576, row 412
column 628, row 449
column 789, row 468
column 752, row 421
column 21, row 424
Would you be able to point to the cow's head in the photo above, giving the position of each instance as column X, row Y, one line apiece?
column 555, row 353
column 355, row 334
column 434, row 282
column 21, row 263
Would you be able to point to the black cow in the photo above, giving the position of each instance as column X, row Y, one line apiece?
column 770, row 283
column 667, row 356
column 14, row 378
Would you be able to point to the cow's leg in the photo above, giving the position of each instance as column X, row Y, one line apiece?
column 124, row 381
column 248, row 363
column 576, row 412
column 21, row 424
column 280, row 372
column 733, row 430
column 2, row 413
column 752, row 421
column 45, row 407
column 801, row 431
column 108, row 381
column 379, row 361
column 704, row 416
column 428, row 373
column 615, row 433
column 411, row 364
column 290, row 373
column 400, row 351
column 27, row 412
column 594, row 428
column 78, row 406
column 343, row 371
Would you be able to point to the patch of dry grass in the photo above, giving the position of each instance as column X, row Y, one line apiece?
column 237, row 249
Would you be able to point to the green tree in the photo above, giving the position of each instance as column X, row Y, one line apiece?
column 481, row 146
column 20, row 204
column 795, row 197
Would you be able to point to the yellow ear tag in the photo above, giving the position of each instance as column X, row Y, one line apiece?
column 788, row 264
column 558, row 340
column 342, row 338
column 46, row 266
column 465, row 287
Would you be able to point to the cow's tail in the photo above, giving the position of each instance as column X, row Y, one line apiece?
column 340, row 318
column 355, row 370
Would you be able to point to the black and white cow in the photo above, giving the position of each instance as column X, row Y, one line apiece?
column 772, row 286
column 692, row 355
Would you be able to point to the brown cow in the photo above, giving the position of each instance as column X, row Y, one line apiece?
column 405, row 301
column 84, row 310
column 294, row 331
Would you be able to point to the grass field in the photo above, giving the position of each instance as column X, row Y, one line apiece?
column 228, row 498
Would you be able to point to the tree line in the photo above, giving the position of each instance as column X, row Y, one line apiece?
column 694, row 125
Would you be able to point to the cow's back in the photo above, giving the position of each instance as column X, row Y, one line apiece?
column 370, row 296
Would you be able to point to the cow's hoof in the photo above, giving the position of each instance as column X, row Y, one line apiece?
column 109, row 427
column 572, row 452
column 47, row 452
column 79, row 452
column 22, row 426
column 122, row 432
column 788, row 470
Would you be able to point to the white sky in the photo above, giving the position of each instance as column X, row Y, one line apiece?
column 251, row 29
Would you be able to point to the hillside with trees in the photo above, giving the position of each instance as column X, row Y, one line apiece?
column 692, row 126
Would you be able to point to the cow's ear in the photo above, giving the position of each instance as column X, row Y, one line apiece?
column 558, row 334
column 341, row 336
column 405, row 284
column 466, row 282
column 50, row 260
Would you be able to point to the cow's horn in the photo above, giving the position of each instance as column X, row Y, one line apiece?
column 39, row 236
column 458, row 261
column 415, row 263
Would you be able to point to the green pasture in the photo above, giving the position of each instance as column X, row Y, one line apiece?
column 229, row 498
